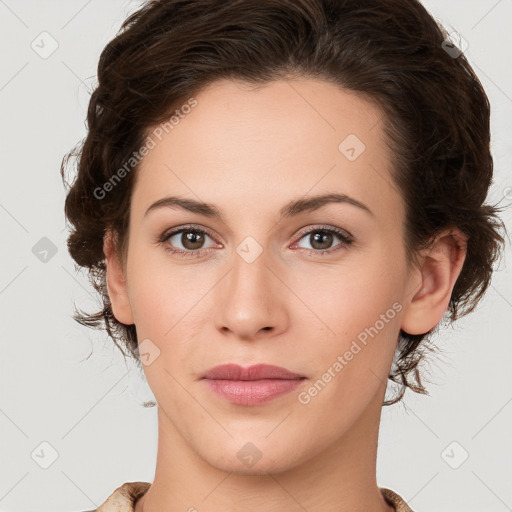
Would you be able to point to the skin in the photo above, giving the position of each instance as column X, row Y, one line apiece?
column 249, row 151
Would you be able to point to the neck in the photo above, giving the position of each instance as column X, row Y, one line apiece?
column 341, row 478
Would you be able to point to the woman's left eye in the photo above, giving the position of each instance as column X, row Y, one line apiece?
column 321, row 239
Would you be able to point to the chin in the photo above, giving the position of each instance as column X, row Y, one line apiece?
column 253, row 461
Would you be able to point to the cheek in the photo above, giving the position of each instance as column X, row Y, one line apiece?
column 351, row 357
column 157, row 291
column 169, row 302
column 151, row 301
column 352, row 296
column 357, row 313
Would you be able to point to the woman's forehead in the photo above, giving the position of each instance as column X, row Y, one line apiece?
column 282, row 140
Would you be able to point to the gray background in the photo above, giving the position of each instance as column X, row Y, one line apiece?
column 87, row 411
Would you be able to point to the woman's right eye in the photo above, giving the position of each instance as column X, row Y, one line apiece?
column 190, row 239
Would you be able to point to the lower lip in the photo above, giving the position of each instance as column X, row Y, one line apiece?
column 252, row 392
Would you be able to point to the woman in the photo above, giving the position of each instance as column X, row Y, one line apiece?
column 278, row 202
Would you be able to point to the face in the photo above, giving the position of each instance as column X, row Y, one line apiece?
column 316, row 288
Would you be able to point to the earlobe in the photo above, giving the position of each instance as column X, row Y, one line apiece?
column 439, row 269
column 116, row 283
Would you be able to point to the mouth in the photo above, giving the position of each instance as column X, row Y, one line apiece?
column 255, row 372
column 254, row 385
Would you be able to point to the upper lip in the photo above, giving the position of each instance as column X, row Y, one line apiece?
column 255, row 372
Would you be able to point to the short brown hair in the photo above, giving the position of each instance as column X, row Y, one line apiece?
column 392, row 52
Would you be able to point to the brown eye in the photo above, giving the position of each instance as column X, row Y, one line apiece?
column 323, row 240
column 192, row 239
column 186, row 241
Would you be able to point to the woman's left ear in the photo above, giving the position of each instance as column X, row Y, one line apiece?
column 433, row 281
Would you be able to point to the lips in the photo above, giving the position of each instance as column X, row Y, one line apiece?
column 255, row 372
column 252, row 386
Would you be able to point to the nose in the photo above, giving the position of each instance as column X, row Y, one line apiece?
column 251, row 302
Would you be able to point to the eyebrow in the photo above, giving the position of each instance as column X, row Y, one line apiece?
column 294, row 207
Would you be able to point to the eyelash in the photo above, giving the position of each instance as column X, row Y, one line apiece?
column 344, row 236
